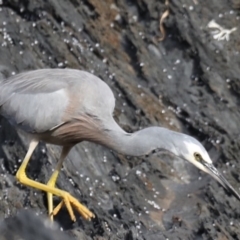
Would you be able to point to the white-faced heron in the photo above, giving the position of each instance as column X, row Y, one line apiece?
column 67, row 106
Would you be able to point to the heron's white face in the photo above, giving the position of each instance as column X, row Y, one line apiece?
column 197, row 155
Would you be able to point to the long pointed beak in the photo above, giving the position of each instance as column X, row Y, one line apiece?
column 219, row 177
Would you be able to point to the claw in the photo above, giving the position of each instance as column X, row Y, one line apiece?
column 70, row 201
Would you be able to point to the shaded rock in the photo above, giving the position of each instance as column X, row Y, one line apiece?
column 27, row 225
column 189, row 83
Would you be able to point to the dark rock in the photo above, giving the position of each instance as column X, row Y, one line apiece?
column 189, row 82
column 28, row 226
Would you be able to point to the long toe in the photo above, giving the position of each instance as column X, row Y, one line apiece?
column 71, row 202
column 84, row 211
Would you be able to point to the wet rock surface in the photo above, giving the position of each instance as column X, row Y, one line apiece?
column 26, row 225
column 189, row 83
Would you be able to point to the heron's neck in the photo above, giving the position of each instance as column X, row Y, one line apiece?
column 139, row 143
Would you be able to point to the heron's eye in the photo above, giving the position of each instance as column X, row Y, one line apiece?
column 197, row 156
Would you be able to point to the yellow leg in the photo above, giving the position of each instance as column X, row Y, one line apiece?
column 53, row 179
column 67, row 198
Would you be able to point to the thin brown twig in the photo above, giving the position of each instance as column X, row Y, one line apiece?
column 162, row 18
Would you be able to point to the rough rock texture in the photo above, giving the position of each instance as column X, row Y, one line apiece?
column 189, row 82
column 26, row 225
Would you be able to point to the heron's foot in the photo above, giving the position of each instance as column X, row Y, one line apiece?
column 50, row 205
column 70, row 202
column 51, row 183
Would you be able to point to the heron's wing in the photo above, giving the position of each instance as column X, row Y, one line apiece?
column 40, row 100
column 34, row 101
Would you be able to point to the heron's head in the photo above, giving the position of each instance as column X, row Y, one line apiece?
column 193, row 151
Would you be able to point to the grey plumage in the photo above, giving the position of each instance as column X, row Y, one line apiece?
column 35, row 101
column 65, row 107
